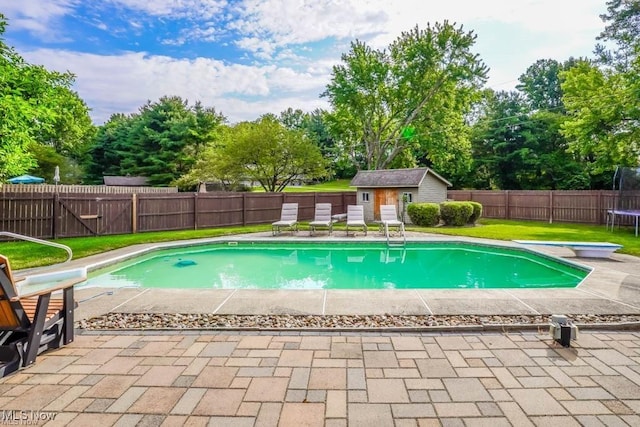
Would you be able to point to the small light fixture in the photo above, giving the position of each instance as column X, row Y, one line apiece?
column 563, row 330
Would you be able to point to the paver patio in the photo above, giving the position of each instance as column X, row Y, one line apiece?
column 308, row 379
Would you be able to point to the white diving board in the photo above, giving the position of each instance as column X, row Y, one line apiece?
column 581, row 249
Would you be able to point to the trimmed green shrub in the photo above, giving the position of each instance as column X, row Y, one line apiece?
column 456, row 213
column 477, row 212
column 424, row 214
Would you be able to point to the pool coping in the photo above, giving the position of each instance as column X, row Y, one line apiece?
column 612, row 287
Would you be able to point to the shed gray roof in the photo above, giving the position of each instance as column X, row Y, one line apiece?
column 126, row 181
column 393, row 178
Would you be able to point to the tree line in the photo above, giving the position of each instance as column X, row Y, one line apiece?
column 422, row 101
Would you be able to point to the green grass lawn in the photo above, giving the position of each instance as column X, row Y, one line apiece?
column 337, row 185
column 26, row 255
column 536, row 230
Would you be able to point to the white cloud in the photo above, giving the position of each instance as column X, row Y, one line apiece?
column 283, row 23
column 546, row 28
column 261, row 48
column 37, row 9
column 123, row 83
column 36, row 16
column 288, row 80
column 277, row 34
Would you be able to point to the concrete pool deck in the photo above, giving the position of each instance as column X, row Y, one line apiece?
column 613, row 287
column 340, row 378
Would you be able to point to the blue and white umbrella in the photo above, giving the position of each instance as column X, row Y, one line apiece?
column 26, row 179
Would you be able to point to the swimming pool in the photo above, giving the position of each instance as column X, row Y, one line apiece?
column 340, row 265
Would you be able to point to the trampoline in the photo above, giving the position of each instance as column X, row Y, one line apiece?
column 626, row 181
column 613, row 213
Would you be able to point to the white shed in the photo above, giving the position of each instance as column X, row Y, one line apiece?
column 395, row 186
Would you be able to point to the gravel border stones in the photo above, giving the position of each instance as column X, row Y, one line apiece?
column 163, row 321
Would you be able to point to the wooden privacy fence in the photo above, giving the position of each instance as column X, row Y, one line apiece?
column 55, row 215
column 67, row 188
column 579, row 206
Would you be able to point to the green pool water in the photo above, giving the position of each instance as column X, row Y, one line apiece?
column 340, row 266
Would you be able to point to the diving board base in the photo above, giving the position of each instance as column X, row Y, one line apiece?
column 581, row 249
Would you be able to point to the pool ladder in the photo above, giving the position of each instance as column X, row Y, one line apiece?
column 40, row 241
column 394, row 254
column 397, row 242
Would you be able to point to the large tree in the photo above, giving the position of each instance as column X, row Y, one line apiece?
column 108, row 149
column 37, row 106
column 263, row 151
column 161, row 142
column 501, row 152
column 541, row 84
column 602, row 97
column 604, row 117
column 316, row 127
column 555, row 167
column 415, row 93
column 622, row 31
column 517, row 141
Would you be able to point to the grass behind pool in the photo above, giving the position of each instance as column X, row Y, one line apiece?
column 28, row 255
column 337, row 185
column 537, row 230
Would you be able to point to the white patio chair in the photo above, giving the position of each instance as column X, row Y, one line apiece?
column 288, row 219
column 389, row 219
column 355, row 218
column 322, row 218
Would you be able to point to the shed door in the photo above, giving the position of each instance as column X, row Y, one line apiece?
column 384, row 196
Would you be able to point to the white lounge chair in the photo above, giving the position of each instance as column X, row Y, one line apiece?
column 288, row 219
column 355, row 218
column 389, row 219
column 322, row 218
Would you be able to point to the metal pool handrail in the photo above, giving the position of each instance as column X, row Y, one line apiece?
column 42, row 242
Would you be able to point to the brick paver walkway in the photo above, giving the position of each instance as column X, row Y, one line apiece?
column 318, row 379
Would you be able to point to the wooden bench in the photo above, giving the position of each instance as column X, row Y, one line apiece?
column 581, row 249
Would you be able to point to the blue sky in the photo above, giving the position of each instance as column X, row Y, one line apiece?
column 246, row 58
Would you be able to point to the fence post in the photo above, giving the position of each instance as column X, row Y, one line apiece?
column 134, row 213
column 550, row 206
column 507, row 214
column 54, row 225
column 244, row 209
column 195, row 211
column 601, row 209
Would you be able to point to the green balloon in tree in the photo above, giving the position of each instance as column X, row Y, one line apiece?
column 409, row 133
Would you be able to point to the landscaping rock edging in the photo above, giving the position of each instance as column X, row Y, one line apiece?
column 177, row 321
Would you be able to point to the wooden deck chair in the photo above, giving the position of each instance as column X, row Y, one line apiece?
column 389, row 219
column 32, row 323
column 288, row 219
column 322, row 218
column 355, row 218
